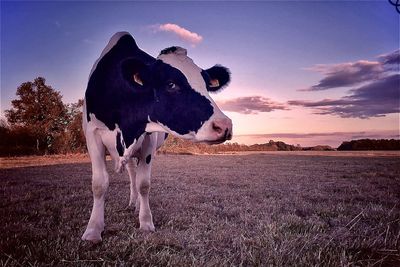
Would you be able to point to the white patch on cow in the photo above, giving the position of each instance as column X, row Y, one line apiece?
column 108, row 138
column 95, row 123
column 84, row 117
column 113, row 41
column 152, row 127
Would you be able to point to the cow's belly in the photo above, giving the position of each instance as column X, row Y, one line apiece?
column 109, row 138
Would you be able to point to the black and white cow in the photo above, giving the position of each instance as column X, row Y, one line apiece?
column 132, row 102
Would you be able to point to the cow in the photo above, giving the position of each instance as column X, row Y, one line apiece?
column 132, row 102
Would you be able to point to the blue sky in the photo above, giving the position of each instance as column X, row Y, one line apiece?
column 276, row 50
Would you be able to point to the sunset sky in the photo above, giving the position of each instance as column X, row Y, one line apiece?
column 304, row 72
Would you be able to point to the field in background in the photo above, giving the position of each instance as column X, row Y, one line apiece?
column 215, row 210
column 27, row 161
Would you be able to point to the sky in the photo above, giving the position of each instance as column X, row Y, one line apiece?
column 303, row 72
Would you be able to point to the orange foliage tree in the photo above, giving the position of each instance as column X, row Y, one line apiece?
column 39, row 110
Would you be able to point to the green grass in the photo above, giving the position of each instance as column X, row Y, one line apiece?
column 249, row 210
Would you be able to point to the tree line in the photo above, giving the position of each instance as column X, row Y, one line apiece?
column 370, row 144
column 40, row 123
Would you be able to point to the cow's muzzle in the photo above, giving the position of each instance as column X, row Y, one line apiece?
column 222, row 129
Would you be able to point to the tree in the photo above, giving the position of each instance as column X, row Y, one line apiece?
column 72, row 139
column 40, row 110
column 74, row 129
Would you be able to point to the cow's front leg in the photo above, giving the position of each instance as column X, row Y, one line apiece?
column 143, row 187
column 100, row 181
column 143, row 172
column 133, row 198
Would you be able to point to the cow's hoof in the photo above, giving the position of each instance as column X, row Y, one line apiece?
column 147, row 227
column 92, row 235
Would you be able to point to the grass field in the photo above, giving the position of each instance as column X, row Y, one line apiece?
column 224, row 210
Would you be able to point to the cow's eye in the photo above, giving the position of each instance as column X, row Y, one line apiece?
column 172, row 87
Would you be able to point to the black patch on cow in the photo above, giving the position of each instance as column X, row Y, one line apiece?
column 168, row 50
column 148, row 159
column 108, row 96
column 115, row 98
column 120, row 147
column 182, row 109
column 221, row 73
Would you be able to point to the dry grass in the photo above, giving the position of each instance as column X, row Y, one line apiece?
column 27, row 161
column 241, row 210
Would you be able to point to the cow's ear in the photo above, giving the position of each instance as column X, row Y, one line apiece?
column 134, row 71
column 219, row 77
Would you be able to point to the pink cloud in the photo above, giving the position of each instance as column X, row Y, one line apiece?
column 184, row 34
column 251, row 105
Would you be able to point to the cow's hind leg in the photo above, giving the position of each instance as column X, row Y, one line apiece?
column 100, row 181
column 133, row 198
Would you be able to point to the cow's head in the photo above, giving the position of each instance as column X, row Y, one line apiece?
column 182, row 105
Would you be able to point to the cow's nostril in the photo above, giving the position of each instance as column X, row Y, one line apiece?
column 217, row 128
column 228, row 136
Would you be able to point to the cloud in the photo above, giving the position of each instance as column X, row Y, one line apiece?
column 346, row 74
column 251, row 105
column 355, row 73
column 375, row 99
column 184, row 34
column 391, row 58
column 374, row 88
